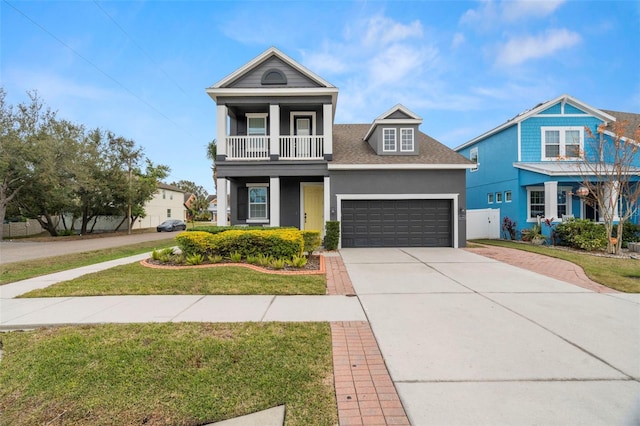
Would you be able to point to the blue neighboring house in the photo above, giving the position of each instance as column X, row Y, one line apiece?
column 528, row 167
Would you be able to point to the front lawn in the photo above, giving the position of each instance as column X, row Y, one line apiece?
column 167, row 374
column 16, row 271
column 135, row 279
column 619, row 274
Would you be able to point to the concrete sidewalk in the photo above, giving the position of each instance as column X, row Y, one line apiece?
column 470, row 340
column 36, row 312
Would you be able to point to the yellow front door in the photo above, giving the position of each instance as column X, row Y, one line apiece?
column 313, row 208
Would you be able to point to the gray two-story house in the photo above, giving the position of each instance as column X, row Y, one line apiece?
column 284, row 162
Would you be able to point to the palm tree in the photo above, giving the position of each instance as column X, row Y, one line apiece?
column 212, row 152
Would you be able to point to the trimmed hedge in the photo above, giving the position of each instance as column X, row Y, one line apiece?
column 278, row 243
column 312, row 241
column 582, row 234
column 332, row 236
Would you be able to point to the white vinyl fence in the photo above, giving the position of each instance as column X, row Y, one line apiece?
column 483, row 223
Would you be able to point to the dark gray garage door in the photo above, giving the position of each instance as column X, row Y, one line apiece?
column 396, row 223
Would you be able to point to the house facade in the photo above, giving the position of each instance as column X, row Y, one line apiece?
column 532, row 166
column 167, row 203
column 283, row 162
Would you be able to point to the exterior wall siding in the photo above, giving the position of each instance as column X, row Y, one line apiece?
column 531, row 138
column 400, row 182
column 554, row 109
column 253, row 78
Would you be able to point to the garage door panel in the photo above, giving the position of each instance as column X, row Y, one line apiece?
column 396, row 223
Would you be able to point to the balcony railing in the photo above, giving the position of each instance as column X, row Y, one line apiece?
column 297, row 147
column 291, row 147
column 248, row 147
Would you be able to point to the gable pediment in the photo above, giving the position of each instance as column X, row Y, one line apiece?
column 272, row 69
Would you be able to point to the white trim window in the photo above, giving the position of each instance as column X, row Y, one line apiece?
column 562, row 142
column 564, row 202
column 498, row 197
column 389, row 140
column 258, row 203
column 406, row 140
column 256, row 124
column 535, row 203
column 473, row 156
column 490, row 198
column 507, row 196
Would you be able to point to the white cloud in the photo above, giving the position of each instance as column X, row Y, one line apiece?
column 492, row 15
column 381, row 30
column 516, row 9
column 519, row 50
column 458, row 40
column 324, row 63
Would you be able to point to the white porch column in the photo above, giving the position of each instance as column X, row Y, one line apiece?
column 274, row 129
column 551, row 199
column 222, row 201
column 274, row 202
column 327, row 128
column 221, row 129
column 327, row 201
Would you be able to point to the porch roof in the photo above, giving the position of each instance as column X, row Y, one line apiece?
column 562, row 168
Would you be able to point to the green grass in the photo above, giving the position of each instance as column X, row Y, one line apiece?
column 135, row 279
column 16, row 271
column 167, row 374
column 619, row 274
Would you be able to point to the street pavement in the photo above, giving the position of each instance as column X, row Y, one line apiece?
column 27, row 249
column 470, row 340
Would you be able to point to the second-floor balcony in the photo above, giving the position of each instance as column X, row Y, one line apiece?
column 288, row 147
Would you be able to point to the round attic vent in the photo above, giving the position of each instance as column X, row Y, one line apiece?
column 273, row 76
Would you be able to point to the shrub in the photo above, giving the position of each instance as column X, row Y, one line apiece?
column 264, row 260
column 298, row 261
column 155, row 254
column 235, row 257
column 509, row 227
column 332, row 235
column 630, row 233
column 280, row 243
column 214, row 229
column 215, row 258
column 582, row 234
column 277, row 263
column 312, row 241
column 195, row 259
column 252, row 259
column 164, row 255
column 195, row 242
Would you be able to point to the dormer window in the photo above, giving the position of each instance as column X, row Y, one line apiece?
column 562, row 142
column 406, row 140
column 389, row 144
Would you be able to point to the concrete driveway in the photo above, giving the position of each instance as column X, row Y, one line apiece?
column 470, row 340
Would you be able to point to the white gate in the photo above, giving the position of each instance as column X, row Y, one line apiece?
column 483, row 223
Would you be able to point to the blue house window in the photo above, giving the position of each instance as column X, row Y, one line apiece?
column 473, row 156
column 490, row 198
column 507, row 196
column 562, row 142
column 536, row 203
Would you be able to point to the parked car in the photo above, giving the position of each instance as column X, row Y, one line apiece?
column 171, row 225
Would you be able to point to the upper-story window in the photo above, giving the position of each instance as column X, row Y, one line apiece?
column 256, row 124
column 389, row 143
column 473, row 156
column 562, row 142
column 406, row 140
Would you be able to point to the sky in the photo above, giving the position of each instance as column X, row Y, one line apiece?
column 140, row 68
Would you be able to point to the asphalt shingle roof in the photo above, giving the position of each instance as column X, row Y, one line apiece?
column 350, row 148
column 632, row 119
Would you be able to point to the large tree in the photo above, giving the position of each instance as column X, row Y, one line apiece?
column 22, row 137
column 610, row 170
column 199, row 204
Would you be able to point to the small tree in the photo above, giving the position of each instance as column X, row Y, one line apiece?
column 212, row 152
column 610, row 171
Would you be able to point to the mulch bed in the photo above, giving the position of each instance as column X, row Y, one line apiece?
column 315, row 265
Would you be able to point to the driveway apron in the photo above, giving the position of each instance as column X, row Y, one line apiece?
column 470, row 340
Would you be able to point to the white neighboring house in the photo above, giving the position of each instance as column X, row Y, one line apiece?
column 167, row 203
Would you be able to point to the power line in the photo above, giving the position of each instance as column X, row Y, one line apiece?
column 97, row 68
column 138, row 46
